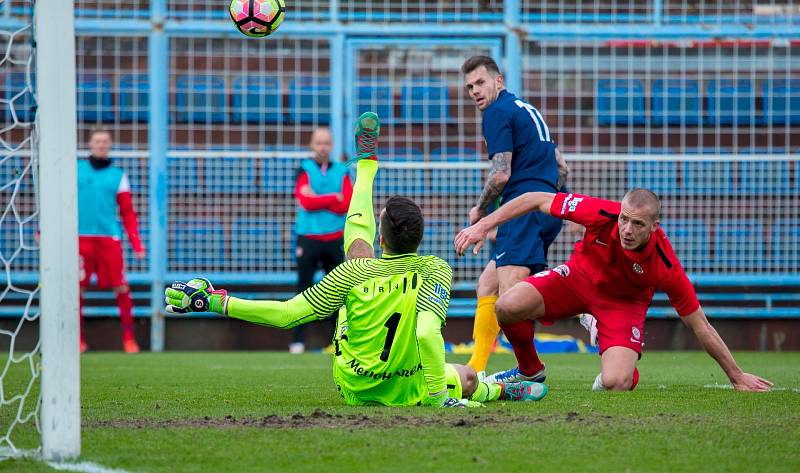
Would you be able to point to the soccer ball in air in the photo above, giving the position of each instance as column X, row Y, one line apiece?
column 257, row 18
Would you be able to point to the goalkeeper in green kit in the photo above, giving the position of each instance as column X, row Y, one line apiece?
column 388, row 344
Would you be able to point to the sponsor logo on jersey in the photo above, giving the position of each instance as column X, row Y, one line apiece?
column 542, row 274
column 356, row 367
column 499, row 255
column 440, row 291
column 636, row 333
column 562, row 269
column 570, row 204
column 637, row 268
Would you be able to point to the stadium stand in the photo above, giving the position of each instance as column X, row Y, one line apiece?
column 133, row 98
column 781, row 101
column 310, row 100
column 730, row 102
column 376, row 94
column 620, row 102
column 95, row 102
column 201, row 99
column 425, row 100
column 676, row 102
column 256, row 99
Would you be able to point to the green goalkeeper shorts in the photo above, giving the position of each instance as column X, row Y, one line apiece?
column 452, row 380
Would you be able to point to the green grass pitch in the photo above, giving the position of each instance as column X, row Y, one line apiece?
column 242, row 412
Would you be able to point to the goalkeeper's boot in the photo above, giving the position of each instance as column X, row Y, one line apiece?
column 368, row 129
column 514, row 375
column 523, row 391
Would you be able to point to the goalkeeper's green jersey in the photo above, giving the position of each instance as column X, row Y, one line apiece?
column 376, row 352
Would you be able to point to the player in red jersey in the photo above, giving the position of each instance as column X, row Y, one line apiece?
column 104, row 195
column 613, row 273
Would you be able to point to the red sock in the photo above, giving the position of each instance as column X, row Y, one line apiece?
column 125, row 305
column 635, row 378
column 520, row 335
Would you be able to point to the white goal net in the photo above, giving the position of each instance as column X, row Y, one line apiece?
column 39, row 401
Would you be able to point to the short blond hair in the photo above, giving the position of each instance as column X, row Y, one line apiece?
column 641, row 198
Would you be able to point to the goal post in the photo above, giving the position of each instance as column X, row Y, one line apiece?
column 54, row 33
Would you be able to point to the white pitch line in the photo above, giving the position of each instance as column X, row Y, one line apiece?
column 84, row 467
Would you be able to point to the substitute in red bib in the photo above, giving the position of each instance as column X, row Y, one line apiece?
column 613, row 274
column 104, row 192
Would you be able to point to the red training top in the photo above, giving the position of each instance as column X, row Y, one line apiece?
column 621, row 273
column 325, row 201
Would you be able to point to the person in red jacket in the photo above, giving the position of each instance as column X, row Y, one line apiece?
column 323, row 190
column 103, row 192
column 623, row 258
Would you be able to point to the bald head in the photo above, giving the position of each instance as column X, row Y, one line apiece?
column 644, row 199
column 321, row 143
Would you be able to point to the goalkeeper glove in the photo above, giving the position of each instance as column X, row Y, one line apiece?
column 197, row 295
column 460, row 403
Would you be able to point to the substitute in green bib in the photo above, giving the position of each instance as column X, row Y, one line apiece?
column 390, row 311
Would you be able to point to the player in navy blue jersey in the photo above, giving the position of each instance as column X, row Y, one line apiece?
column 524, row 159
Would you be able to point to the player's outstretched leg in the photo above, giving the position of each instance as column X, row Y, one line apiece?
column 359, row 228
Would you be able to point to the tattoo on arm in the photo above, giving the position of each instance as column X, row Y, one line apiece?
column 496, row 181
column 563, row 169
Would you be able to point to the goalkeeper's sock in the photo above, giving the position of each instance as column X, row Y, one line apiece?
column 360, row 223
column 487, row 392
column 484, row 332
column 125, row 305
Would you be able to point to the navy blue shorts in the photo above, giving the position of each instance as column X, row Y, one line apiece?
column 524, row 240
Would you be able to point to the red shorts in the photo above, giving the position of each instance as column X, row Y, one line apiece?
column 567, row 293
column 101, row 256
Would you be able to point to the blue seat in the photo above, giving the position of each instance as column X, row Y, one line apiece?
column 660, row 177
column 764, row 177
column 94, row 98
column 375, row 93
column 182, row 175
column 455, row 154
column 14, row 88
column 781, row 101
column 399, row 154
column 620, row 102
column 689, row 239
column 310, row 100
column 730, row 102
column 676, row 102
column 134, row 96
column 256, row 99
column 256, row 243
column 196, row 244
column 707, row 178
column 425, row 101
column 786, row 245
column 201, row 99
column 229, row 175
column 739, row 245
